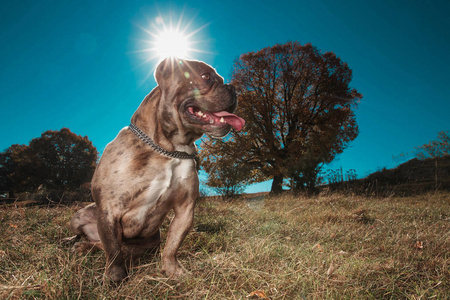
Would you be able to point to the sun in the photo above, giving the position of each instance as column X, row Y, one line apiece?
column 165, row 39
column 171, row 43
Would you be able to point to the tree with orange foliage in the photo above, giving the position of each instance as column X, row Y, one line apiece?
column 299, row 112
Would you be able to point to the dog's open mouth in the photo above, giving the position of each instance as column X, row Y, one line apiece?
column 216, row 118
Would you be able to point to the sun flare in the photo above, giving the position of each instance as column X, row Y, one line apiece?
column 166, row 39
column 171, row 43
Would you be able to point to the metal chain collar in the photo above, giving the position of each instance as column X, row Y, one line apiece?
column 146, row 139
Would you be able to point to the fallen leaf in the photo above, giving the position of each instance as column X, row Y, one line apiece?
column 318, row 247
column 331, row 270
column 419, row 245
column 13, row 225
column 258, row 293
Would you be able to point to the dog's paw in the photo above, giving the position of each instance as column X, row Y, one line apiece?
column 173, row 270
column 114, row 275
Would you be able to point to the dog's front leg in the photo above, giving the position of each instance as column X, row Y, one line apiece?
column 110, row 232
column 179, row 228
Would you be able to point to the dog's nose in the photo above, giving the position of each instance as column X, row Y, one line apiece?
column 231, row 88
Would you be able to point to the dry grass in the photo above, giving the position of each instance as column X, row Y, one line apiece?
column 324, row 247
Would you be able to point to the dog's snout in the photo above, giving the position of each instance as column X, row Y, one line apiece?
column 230, row 88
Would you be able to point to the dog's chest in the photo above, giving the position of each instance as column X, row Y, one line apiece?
column 182, row 170
column 176, row 174
column 150, row 207
column 178, row 171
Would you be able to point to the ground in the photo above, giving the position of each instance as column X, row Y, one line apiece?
column 331, row 246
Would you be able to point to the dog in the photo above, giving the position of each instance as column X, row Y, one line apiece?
column 149, row 168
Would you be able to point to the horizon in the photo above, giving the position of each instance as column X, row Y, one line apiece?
column 83, row 66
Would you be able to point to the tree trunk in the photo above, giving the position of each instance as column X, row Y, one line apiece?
column 277, row 185
column 311, row 186
column 296, row 184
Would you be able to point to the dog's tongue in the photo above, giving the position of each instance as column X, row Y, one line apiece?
column 234, row 121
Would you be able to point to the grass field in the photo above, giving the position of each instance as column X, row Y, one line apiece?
column 323, row 247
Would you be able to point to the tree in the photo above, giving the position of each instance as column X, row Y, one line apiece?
column 68, row 160
column 437, row 148
column 55, row 160
column 7, row 167
column 225, row 181
column 224, row 175
column 299, row 112
column 27, row 169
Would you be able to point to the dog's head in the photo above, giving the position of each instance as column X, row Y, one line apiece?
column 198, row 96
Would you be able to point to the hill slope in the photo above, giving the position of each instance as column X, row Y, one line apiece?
column 412, row 177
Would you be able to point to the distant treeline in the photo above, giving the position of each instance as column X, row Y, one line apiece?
column 53, row 168
column 412, row 177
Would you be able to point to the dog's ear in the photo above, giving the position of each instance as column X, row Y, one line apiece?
column 168, row 68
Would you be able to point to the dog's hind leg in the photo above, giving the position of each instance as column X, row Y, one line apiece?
column 84, row 223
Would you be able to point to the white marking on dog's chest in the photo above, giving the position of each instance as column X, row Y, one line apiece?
column 182, row 170
column 174, row 173
column 171, row 178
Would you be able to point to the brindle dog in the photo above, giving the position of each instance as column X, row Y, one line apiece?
column 148, row 169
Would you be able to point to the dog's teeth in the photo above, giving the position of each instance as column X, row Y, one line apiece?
column 204, row 116
column 199, row 113
column 211, row 121
column 222, row 120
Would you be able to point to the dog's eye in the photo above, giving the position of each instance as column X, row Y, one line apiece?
column 206, row 76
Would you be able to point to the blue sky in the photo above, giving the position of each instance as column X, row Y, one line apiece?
column 77, row 64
